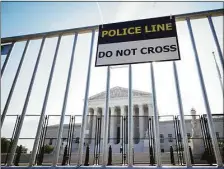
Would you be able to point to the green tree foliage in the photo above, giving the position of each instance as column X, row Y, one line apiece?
column 48, row 149
column 221, row 146
column 4, row 145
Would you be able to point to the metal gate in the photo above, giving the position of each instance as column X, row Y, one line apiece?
column 101, row 145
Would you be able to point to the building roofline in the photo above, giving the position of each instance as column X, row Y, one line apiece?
column 139, row 91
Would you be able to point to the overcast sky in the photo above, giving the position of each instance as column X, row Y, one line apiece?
column 19, row 18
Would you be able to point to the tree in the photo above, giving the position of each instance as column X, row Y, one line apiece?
column 221, row 143
column 221, row 146
column 44, row 149
column 4, row 145
column 48, row 149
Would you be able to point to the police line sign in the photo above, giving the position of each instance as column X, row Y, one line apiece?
column 147, row 40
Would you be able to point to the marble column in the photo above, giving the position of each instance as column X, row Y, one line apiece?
column 141, row 121
column 95, row 113
column 90, row 124
column 150, row 110
column 102, row 122
column 150, row 114
column 116, row 117
column 122, row 108
column 135, row 125
column 112, row 125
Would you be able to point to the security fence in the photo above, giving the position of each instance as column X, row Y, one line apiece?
column 171, row 141
column 95, row 149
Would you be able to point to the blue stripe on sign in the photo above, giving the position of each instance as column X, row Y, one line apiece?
column 5, row 49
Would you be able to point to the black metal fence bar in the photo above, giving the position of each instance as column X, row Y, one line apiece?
column 173, row 156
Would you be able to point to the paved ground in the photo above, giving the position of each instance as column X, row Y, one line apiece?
column 114, row 167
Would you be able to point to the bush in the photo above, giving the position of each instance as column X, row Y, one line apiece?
column 4, row 145
column 48, row 149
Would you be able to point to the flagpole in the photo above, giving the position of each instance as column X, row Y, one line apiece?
column 219, row 74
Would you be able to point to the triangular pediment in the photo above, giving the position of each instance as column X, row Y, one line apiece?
column 118, row 92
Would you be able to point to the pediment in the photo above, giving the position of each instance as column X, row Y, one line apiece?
column 118, row 92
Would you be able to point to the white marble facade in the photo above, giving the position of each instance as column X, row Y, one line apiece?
column 142, row 107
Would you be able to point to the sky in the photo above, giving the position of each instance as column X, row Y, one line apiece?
column 19, row 18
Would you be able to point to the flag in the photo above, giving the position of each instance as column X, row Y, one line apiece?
column 5, row 49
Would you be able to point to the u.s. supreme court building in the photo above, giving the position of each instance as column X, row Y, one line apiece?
column 169, row 128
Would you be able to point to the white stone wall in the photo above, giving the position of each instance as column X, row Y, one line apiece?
column 166, row 127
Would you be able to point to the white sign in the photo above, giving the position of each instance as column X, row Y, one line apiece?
column 148, row 40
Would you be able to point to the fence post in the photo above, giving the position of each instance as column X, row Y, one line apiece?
column 172, row 156
column 191, row 155
column 60, row 129
column 156, row 118
column 19, row 151
column 37, row 137
column 205, row 98
column 87, row 156
column 152, row 160
column 106, row 118
column 182, row 121
column 110, row 156
column 85, row 108
column 130, row 119
column 65, row 156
